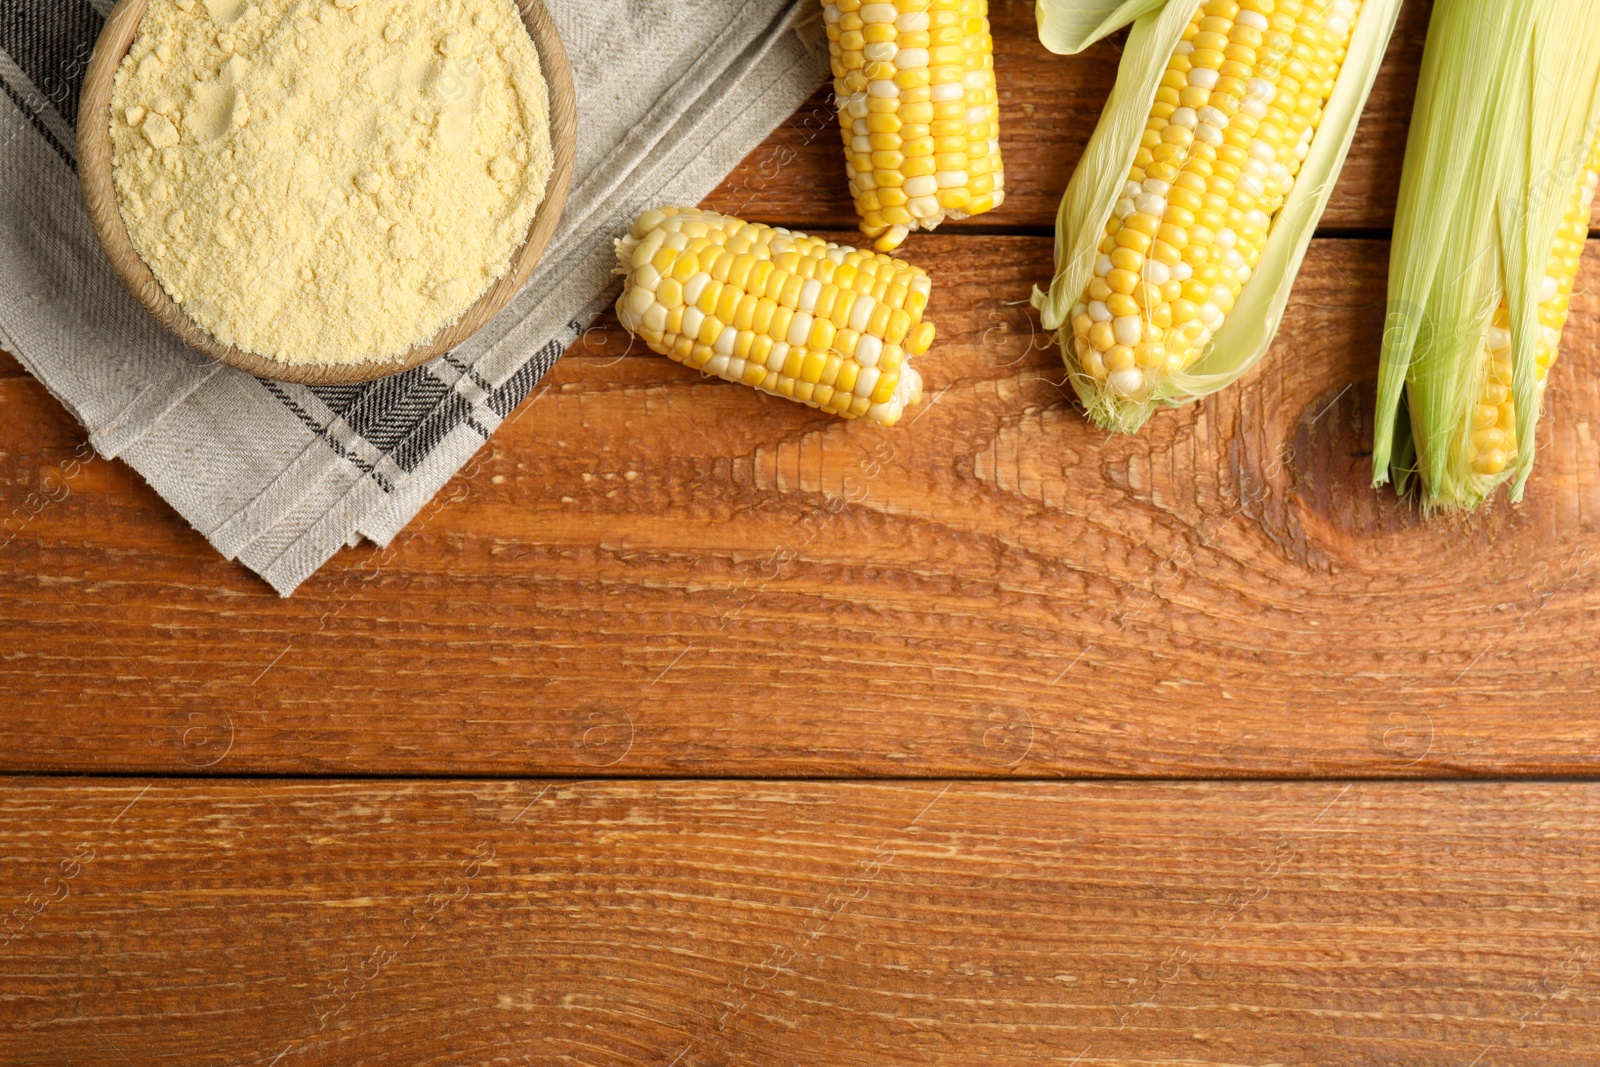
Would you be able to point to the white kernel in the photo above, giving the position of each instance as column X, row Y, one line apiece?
column 868, row 349
column 911, row 58
column 1499, row 338
column 647, row 277
column 861, row 312
column 1204, row 77
column 1128, row 329
column 1124, row 208
column 952, row 179
column 1127, row 383
column 1206, row 133
column 1131, row 189
column 883, row 88
column 1340, row 28
column 1156, row 187
column 655, row 319
column 1548, row 288
column 879, row 52
column 1102, row 265
column 1150, row 204
column 922, row 185
column 1214, row 116
column 808, row 295
column 725, row 340
column 1098, row 311
column 799, row 328
column 695, row 286
column 923, row 207
column 947, row 91
column 1156, row 272
column 912, row 22
column 1183, row 48
column 640, row 299
column 1226, row 238
column 1182, row 271
column 1184, row 117
column 867, row 379
column 717, row 367
column 1254, row 19
column 879, row 13
column 692, row 318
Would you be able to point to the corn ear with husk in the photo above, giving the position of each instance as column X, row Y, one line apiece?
column 1184, row 225
column 1484, row 256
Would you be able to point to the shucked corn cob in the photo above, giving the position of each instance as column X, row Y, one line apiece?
column 918, row 112
column 1207, row 206
column 1482, row 267
column 796, row 316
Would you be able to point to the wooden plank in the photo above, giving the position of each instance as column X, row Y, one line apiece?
column 631, row 923
column 649, row 573
column 1049, row 106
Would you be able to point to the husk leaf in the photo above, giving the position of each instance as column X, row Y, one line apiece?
column 1067, row 27
column 1092, row 193
column 1515, row 90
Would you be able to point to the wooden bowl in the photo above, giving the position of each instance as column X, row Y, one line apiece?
column 99, row 195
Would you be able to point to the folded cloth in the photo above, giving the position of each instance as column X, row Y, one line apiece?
column 672, row 94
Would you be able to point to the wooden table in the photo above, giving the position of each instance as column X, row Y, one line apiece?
column 691, row 727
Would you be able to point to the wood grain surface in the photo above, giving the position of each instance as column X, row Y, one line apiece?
column 412, row 815
column 698, row 924
column 649, row 573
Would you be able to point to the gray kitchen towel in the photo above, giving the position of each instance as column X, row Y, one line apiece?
column 672, row 94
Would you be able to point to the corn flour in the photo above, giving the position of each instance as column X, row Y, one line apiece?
column 329, row 181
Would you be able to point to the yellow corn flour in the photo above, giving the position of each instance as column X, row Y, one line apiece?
column 329, row 181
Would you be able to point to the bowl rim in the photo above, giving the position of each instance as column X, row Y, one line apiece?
column 100, row 198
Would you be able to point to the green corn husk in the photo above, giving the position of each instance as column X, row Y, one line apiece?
column 1507, row 113
column 1068, row 26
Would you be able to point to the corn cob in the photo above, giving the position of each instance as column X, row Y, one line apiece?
column 795, row 316
column 1481, row 271
column 1211, row 191
column 918, row 112
column 1493, row 444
